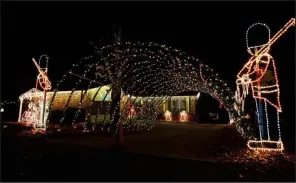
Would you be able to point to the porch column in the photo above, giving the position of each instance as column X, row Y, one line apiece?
column 42, row 113
column 20, row 110
column 187, row 104
column 167, row 105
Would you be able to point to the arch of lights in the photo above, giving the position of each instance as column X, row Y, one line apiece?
column 150, row 73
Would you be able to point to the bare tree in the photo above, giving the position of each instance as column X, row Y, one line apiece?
column 113, row 69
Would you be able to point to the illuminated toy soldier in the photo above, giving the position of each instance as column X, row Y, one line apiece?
column 254, row 72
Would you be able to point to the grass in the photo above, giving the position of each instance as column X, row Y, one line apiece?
column 192, row 141
column 37, row 159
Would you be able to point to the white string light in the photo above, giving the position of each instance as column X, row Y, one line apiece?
column 161, row 71
column 267, row 122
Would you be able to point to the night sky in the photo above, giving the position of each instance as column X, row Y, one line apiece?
column 211, row 31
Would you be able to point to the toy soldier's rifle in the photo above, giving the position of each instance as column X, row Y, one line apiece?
column 264, row 49
column 42, row 78
column 244, row 76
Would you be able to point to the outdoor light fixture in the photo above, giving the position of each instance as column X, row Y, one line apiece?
column 2, row 110
column 183, row 116
column 168, row 115
column 197, row 96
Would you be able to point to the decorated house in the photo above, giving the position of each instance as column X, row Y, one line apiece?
column 94, row 106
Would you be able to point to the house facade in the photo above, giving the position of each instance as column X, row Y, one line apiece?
column 94, row 106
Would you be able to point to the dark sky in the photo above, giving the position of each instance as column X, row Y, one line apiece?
column 212, row 31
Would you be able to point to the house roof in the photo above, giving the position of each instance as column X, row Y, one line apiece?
column 34, row 92
column 61, row 98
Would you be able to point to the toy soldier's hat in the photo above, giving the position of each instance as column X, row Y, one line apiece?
column 252, row 49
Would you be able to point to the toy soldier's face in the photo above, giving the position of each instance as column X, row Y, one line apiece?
column 252, row 51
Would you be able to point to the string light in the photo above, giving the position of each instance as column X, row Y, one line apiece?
column 279, row 144
column 42, row 78
column 155, row 70
column 8, row 103
column 37, row 108
column 159, row 71
column 159, row 86
column 252, row 70
column 33, row 113
column 265, row 48
column 267, row 122
column 32, row 93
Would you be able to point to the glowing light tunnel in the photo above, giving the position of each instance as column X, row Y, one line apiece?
column 137, row 78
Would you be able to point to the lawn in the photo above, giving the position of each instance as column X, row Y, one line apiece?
column 190, row 141
column 36, row 159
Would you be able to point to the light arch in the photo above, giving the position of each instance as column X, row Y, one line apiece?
column 146, row 70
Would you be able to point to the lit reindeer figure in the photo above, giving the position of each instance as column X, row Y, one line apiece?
column 252, row 75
